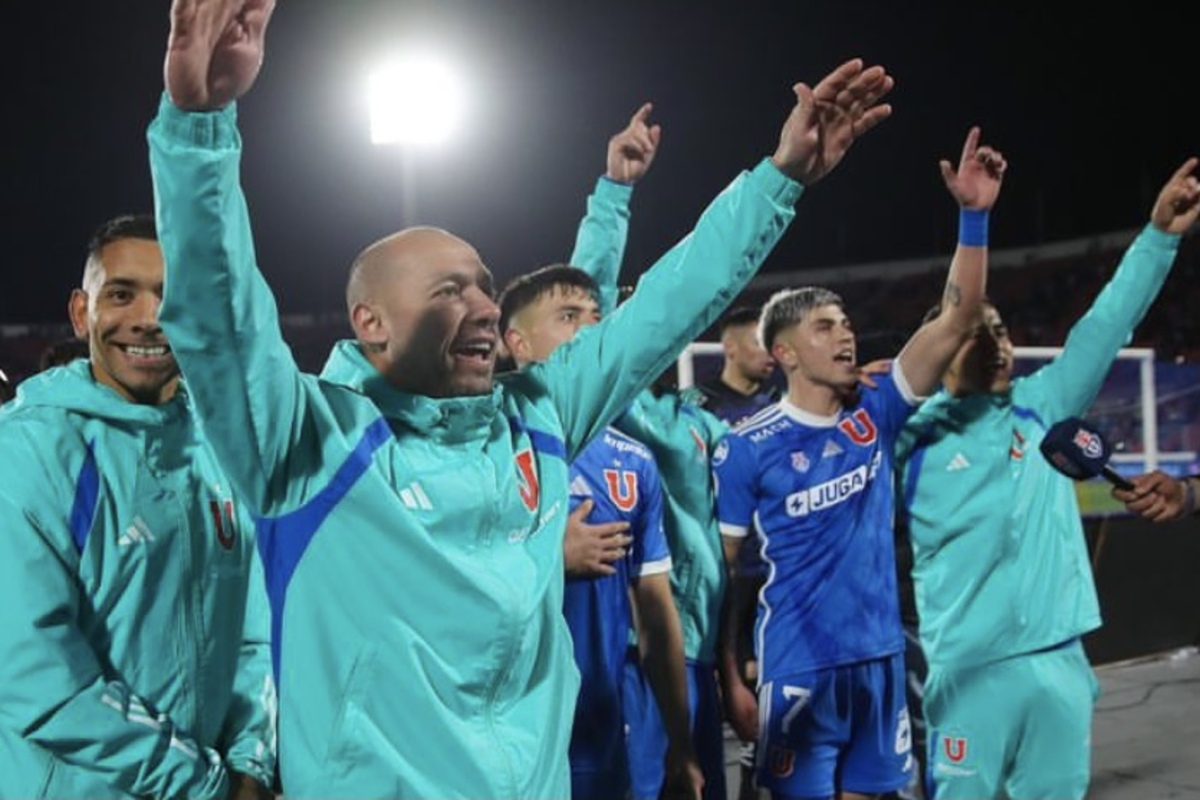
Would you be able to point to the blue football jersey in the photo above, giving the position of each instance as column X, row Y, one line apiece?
column 821, row 492
column 620, row 476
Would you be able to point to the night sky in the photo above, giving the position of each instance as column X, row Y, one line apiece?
column 1093, row 112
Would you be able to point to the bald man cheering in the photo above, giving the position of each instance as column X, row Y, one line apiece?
column 411, row 510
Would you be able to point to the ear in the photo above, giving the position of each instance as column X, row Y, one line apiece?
column 517, row 345
column 783, row 353
column 77, row 310
column 368, row 325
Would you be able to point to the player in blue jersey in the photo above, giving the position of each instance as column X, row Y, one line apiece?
column 618, row 476
column 815, row 473
column 1003, row 581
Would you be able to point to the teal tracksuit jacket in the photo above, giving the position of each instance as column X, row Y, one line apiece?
column 1000, row 563
column 134, row 634
column 413, row 546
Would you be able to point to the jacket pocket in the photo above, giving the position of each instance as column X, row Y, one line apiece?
column 350, row 708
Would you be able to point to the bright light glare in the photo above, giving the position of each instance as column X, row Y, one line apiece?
column 414, row 101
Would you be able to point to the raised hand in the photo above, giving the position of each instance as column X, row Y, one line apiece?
column 215, row 50
column 631, row 152
column 828, row 119
column 867, row 372
column 1178, row 202
column 589, row 551
column 976, row 183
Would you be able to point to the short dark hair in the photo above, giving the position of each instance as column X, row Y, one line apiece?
column 526, row 289
column 125, row 226
column 737, row 317
column 7, row 391
column 789, row 307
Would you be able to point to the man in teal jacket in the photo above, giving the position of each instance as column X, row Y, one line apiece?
column 134, row 632
column 411, row 508
column 1003, row 585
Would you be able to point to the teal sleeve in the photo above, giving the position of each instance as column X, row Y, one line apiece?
column 600, row 241
column 250, row 728
column 714, row 425
column 1067, row 386
column 54, row 692
column 595, row 376
column 217, row 310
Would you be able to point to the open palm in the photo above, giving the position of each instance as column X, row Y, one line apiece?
column 215, row 50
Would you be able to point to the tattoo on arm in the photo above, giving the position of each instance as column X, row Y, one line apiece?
column 953, row 295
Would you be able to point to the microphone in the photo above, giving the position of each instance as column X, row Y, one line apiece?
column 1077, row 450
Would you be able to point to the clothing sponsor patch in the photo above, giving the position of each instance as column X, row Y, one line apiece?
column 137, row 532
column 831, row 492
column 413, row 496
column 959, row 462
column 832, row 448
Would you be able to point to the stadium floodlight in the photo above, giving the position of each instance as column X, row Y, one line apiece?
column 416, row 100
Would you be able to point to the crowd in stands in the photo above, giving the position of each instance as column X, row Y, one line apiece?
column 1041, row 299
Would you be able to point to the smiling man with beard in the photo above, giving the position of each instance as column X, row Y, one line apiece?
column 136, row 661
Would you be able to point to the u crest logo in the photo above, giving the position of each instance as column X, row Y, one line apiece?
column 955, row 749
column 781, row 761
column 622, row 488
column 527, row 474
column 223, row 521
column 859, row 427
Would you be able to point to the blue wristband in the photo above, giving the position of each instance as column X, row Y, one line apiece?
column 972, row 227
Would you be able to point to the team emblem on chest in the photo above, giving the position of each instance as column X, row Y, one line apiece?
column 224, row 522
column 528, row 479
column 859, row 427
column 1017, row 449
column 622, row 488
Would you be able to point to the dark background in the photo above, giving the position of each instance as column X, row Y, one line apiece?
column 1093, row 109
